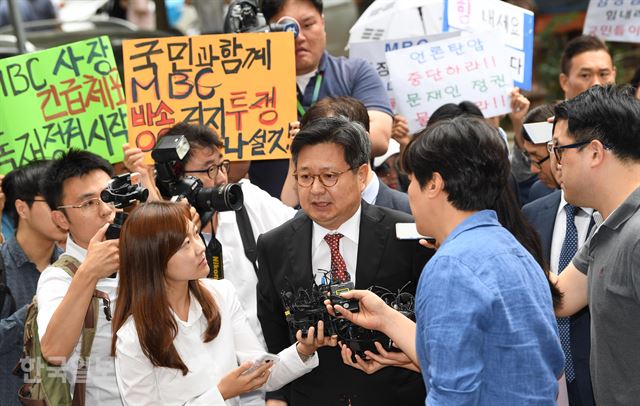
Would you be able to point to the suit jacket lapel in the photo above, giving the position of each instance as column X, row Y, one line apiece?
column 547, row 220
column 372, row 240
column 299, row 252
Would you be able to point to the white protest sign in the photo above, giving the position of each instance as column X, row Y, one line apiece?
column 373, row 52
column 613, row 20
column 514, row 23
column 469, row 67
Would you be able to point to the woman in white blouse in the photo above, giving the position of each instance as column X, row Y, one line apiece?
column 179, row 339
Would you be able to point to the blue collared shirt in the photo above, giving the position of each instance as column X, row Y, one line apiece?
column 22, row 280
column 486, row 331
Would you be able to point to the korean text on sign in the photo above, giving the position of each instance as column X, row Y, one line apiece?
column 63, row 97
column 613, row 20
column 514, row 25
column 241, row 85
column 464, row 68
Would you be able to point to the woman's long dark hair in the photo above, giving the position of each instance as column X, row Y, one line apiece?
column 152, row 234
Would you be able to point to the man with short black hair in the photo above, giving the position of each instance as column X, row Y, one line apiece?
column 338, row 232
column 486, row 333
column 586, row 61
column 24, row 256
column 319, row 75
column 72, row 187
column 595, row 142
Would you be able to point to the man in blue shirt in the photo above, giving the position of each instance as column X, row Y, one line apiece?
column 485, row 332
column 320, row 75
column 24, row 255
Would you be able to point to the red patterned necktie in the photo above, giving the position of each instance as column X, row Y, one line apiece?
column 338, row 267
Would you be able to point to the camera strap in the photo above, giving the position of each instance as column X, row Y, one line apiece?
column 246, row 234
column 214, row 256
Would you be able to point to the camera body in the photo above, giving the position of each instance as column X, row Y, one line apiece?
column 172, row 182
column 123, row 191
column 245, row 16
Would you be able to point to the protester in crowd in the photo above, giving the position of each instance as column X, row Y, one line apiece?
column 24, row 257
column 586, row 61
column 596, row 147
column 375, row 191
column 337, row 231
column 190, row 350
column 485, row 327
column 72, row 187
column 319, row 75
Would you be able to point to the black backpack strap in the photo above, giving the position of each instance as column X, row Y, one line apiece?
column 246, row 234
column 5, row 292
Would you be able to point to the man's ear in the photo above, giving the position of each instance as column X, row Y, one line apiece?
column 563, row 79
column 21, row 208
column 363, row 172
column 435, row 185
column 60, row 220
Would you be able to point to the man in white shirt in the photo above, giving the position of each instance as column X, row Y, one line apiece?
column 72, row 189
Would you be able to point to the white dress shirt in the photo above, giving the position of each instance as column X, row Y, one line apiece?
column 582, row 219
column 370, row 192
column 141, row 383
column 265, row 213
column 321, row 254
column 53, row 285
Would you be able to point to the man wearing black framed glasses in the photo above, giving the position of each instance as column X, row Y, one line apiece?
column 336, row 231
column 563, row 229
column 595, row 142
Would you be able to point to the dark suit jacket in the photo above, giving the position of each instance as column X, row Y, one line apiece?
column 392, row 198
column 284, row 258
column 542, row 215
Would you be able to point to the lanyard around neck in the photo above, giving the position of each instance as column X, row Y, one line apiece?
column 316, row 94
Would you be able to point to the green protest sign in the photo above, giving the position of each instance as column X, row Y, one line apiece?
column 59, row 98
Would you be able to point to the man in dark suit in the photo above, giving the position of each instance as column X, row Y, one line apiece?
column 330, row 157
column 548, row 215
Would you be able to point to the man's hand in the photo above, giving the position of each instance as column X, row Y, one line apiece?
column 308, row 345
column 240, row 381
column 373, row 310
column 103, row 257
column 275, row 402
column 134, row 162
column 375, row 362
column 519, row 108
column 400, row 130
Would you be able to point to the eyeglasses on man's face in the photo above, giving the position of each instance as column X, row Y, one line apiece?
column 328, row 179
column 559, row 150
column 537, row 163
column 212, row 171
column 88, row 206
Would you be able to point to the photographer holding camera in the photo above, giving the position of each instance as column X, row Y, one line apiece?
column 72, row 187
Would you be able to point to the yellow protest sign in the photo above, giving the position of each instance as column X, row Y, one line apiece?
column 241, row 85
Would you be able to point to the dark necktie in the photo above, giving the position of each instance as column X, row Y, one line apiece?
column 338, row 267
column 568, row 251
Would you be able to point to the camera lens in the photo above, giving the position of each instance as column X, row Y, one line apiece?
column 221, row 198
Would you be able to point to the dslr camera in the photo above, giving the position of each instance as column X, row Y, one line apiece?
column 245, row 16
column 172, row 182
column 123, row 191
